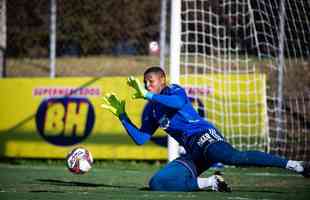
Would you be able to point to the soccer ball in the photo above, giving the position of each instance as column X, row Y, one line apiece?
column 79, row 160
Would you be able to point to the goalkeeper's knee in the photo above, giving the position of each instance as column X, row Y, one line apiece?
column 174, row 177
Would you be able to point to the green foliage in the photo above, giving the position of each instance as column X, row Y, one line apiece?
column 95, row 26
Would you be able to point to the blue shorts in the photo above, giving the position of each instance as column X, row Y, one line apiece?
column 196, row 147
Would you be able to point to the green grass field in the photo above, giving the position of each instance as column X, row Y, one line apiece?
column 128, row 180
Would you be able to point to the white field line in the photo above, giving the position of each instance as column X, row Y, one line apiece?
column 242, row 198
column 264, row 174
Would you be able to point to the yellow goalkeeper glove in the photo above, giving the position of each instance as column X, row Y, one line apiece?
column 135, row 84
column 113, row 104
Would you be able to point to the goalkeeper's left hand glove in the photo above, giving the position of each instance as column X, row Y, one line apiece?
column 135, row 84
column 113, row 104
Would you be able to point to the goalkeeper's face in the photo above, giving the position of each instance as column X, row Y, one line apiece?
column 154, row 82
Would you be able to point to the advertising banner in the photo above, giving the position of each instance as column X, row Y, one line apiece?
column 46, row 118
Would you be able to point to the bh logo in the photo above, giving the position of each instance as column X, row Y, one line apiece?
column 65, row 121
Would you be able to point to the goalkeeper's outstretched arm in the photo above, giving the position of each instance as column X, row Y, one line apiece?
column 171, row 101
column 148, row 127
column 138, row 136
column 117, row 107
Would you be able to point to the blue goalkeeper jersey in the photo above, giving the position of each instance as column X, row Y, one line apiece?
column 172, row 111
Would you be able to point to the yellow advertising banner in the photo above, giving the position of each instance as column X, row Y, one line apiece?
column 46, row 118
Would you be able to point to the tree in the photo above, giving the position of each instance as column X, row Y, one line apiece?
column 96, row 26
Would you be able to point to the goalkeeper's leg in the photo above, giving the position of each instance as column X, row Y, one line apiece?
column 226, row 154
column 175, row 176
column 180, row 175
column 306, row 166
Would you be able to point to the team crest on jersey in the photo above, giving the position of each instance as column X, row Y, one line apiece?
column 164, row 122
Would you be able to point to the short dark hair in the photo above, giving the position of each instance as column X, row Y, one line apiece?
column 155, row 69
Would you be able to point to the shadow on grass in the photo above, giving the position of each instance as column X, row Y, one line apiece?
column 42, row 191
column 81, row 184
column 258, row 191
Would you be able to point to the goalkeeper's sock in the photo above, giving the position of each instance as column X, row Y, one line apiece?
column 204, row 183
column 294, row 166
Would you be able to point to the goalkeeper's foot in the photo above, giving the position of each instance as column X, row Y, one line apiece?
column 306, row 166
column 219, row 184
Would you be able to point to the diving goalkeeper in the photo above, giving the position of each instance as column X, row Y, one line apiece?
column 169, row 108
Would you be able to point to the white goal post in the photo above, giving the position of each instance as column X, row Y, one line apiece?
column 245, row 66
column 2, row 36
column 175, row 50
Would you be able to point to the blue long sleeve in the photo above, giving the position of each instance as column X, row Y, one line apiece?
column 176, row 100
column 173, row 101
column 139, row 137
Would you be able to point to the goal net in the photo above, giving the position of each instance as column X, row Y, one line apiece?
column 245, row 65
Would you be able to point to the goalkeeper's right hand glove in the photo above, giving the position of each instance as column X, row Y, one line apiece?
column 113, row 104
column 135, row 84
